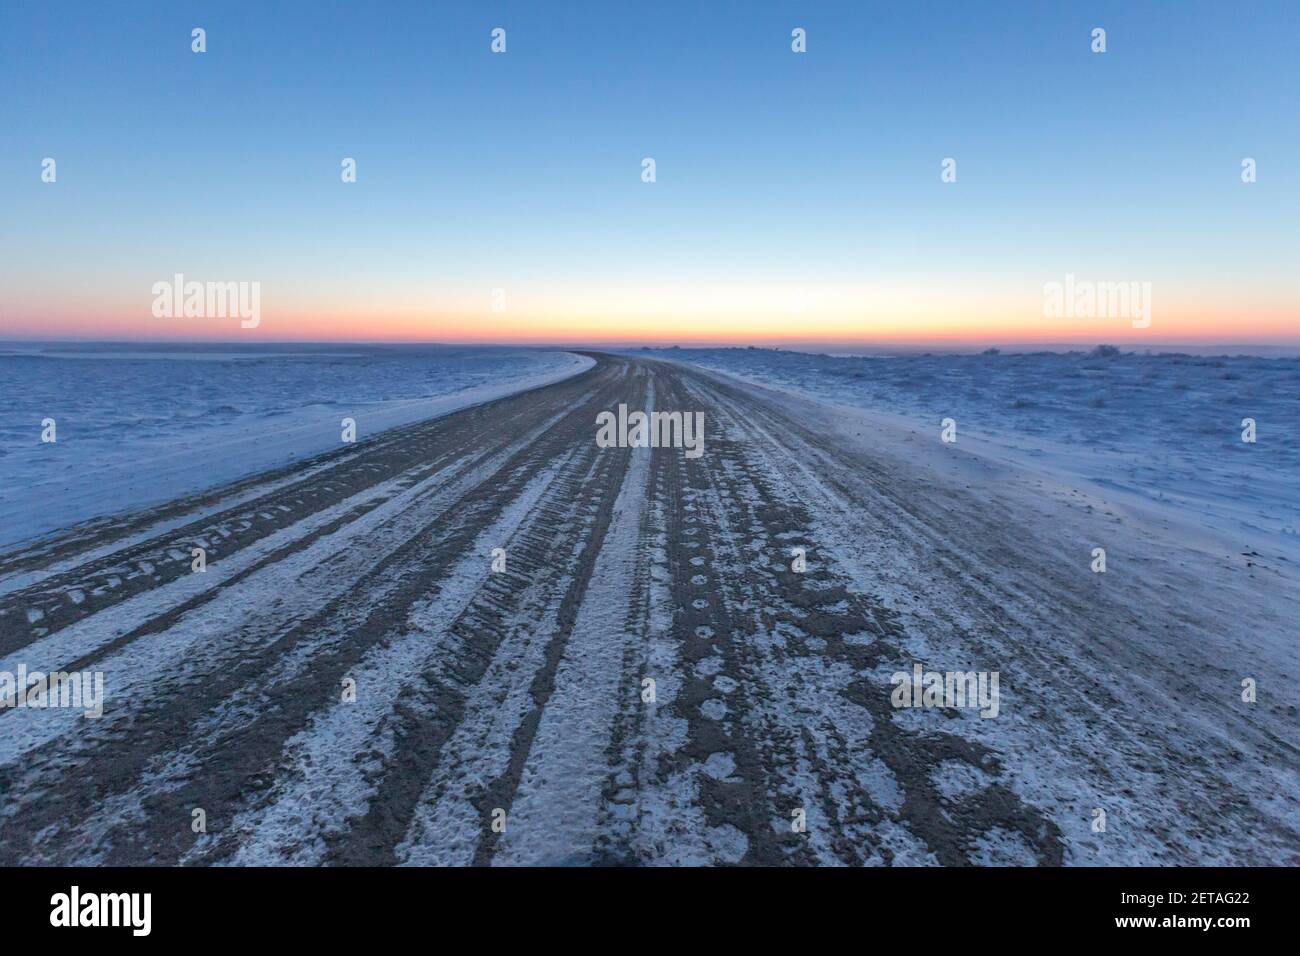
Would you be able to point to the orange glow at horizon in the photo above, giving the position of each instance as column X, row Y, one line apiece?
column 751, row 316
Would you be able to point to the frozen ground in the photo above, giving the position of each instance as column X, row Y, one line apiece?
column 1162, row 430
column 137, row 425
column 502, row 713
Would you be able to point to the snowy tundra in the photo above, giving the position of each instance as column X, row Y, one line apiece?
column 831, row 638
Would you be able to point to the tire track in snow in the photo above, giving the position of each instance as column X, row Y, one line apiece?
column 493, row 698
column 553, row 813
column 269, row 705
column 521, row 690
column 116, row 574
column 316, row 561
column 897, row 797
column 320, row 787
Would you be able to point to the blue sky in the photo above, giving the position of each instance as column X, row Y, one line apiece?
column 522, row 169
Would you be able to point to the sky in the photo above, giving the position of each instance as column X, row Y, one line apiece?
column 798, row 197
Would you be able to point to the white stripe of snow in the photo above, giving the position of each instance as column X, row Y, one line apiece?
column 554, row 815
column 134, row 669
column 324, row 787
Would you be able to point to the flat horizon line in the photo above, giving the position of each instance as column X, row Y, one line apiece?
column 809, row 346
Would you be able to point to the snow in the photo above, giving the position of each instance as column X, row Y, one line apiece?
column 323, row 788
column 554, row 814
column 144, row 424
column 1119, row 690
column 146, row 662
column 1163, row 431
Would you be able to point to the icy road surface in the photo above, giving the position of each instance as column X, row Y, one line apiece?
column 350, row 682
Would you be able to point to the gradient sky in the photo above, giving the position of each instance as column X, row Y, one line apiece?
column 798, row 197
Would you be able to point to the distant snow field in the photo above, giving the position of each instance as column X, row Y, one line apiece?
column 139, row 425
column 1162, row 430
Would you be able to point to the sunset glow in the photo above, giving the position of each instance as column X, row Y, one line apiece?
column 500, row 199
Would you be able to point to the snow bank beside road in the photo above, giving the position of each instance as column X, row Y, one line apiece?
column 1162, row 432
column 148, row 424
column 1120, row 691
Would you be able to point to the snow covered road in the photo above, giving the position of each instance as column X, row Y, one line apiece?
column 669, row 660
